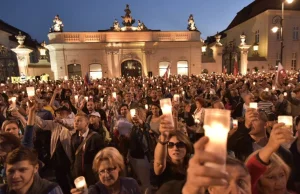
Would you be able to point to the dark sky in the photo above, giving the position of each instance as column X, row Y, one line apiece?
column 35, row 16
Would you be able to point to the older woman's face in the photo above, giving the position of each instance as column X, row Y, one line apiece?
column 108, row 173
column 175, row 149
column 274, row 182
column 239, row 182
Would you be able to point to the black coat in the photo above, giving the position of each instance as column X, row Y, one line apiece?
column 93, row 145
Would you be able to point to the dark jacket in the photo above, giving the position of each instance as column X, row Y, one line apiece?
column 136, row 145
column 128, row 186
column 40, row 186
column 83, row 161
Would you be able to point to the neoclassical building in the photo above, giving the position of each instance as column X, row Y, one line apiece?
column 124, row 50
column 255, row 21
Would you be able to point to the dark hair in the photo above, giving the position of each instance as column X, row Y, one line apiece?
column 200, row 100
column 235, row 162
column 297, row 120
column 122, row 105
column 22, row 154
column 9, row 139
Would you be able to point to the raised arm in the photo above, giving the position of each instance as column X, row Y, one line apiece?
column 27, row 140
column 56, row 91
column 160, row 152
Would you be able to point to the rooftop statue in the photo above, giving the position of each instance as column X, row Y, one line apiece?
column 116, row 26
column 191, row 24
column 57, row 25
column 127, row 19
column 141, row 26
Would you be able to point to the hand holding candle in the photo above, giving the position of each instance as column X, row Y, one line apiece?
column 81, row 185
column 253, row 105
column 132, row 112
column 30, row 91
column 166, row 107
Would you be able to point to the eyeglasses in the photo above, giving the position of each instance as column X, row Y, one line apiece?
column 108, row 171
column 178, row 145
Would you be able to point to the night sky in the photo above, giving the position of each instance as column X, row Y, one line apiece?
column 35, row 16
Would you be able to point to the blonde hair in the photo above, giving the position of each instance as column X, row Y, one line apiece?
column 113, row 156
column 275, row 162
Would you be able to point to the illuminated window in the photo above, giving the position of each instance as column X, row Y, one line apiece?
column 163, row 66
column 182, row 68
column 95, row 71
column 294, row 62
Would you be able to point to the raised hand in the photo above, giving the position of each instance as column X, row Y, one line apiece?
column 280, row 134
column 250, row 116
column 199, row 176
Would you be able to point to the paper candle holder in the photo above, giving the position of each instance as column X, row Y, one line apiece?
column 114, row 95
column 216, row 126
column 30, row 91
column 132, row 112
column 253, row 105
column 80, row 184
column 166, row 107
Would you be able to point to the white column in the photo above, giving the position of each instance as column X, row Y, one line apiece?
column 244, row 54
column 23, row 59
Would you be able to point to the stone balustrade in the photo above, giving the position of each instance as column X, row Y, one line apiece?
column 147, row 36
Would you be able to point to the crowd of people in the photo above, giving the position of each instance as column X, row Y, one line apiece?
column 111, row 136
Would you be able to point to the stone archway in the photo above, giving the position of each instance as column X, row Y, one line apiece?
column 131, row 68
column 74, row 71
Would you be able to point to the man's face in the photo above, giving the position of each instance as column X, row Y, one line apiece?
column 68, row 93
column 128, row 97
column 94, row 120
column 90, row 106
column 20, row 175
column 124, row 111
column 153, row 94
column 80, row 123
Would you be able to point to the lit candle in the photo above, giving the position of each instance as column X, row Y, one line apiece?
column 101, row 99
column 166, row 107
column 132, row 112
column 254, row 83
column 284, row 94
column 146, row 106
column 59, row 86
column 216, row 126
column 80, row 184
column 114, row 95
column 30, row 91
column 235, row 123
column 287, row 120
column 66, row 78
column 273, row 88
column 86, row 98
column 76, row 99
column 176, row 97
column 13, row 99
column 253, row 105
column 267, row 89
column 182, row 93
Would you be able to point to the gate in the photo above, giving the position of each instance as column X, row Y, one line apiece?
column 8, row 64
column 230, row 51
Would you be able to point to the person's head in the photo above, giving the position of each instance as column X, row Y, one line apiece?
column 218, row 105
column 127, row 97
column 109, row 165
column 155, row 109
column 274, row 180
column 297, row 124
column 154, row 94
column 200, row 102
column 63, row 112
column 11, row 126
column 123, row 110
column 259, row 125
column 265, row 96
column 8, row 142
column 21, row 167
column 239, row 179
column 179, row 147
column 187, row 106
column 95, row 118
column 68, row 93
column 297, row 92
column 90, row 105
column 248, row 98
column 81, row 122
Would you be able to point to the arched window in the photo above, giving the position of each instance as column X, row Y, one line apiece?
column 163, row 66
column 96, row 71
column 182, row 68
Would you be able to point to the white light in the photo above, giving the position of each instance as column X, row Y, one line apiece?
column 289, row 1
column 275, row 29
column 255, row 47
column 203, row 49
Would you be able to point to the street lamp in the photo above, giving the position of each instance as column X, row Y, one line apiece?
column 255, row 48
column 204, row 47
column 278, row 20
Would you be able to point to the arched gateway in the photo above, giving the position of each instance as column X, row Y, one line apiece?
column 131, row 68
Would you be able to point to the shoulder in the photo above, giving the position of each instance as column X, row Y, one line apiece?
column 56, row 190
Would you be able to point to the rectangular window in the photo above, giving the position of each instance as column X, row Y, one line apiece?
column 163, row 66
column 182, row 68
column 294, row 62
column 295, row 33
column 257, row 36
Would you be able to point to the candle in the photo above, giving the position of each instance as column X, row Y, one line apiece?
column 114, row 95
column 81, row 184
column 146, row 106
column 182, row 93
column 267, row 89
column 66, row 78
column 76, row 99
column 166, row 107
column 101, row 99
column 254, row 83
column 176, row 97
column 235, row 123
column 4, row 91
column 13, row 99
column 287, row 120
column 59, row 86
column 216, row 126
column 284, row 94
column 132, row 112
column 273, row 88
column 253, row 105
column 30, row 91
column 86, row 98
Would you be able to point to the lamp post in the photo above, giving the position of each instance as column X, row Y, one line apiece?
column 255, row 49
column 204, row 47
column 278, row 20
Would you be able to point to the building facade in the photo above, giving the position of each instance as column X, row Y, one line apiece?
column 256, row 21
column 124, row 51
